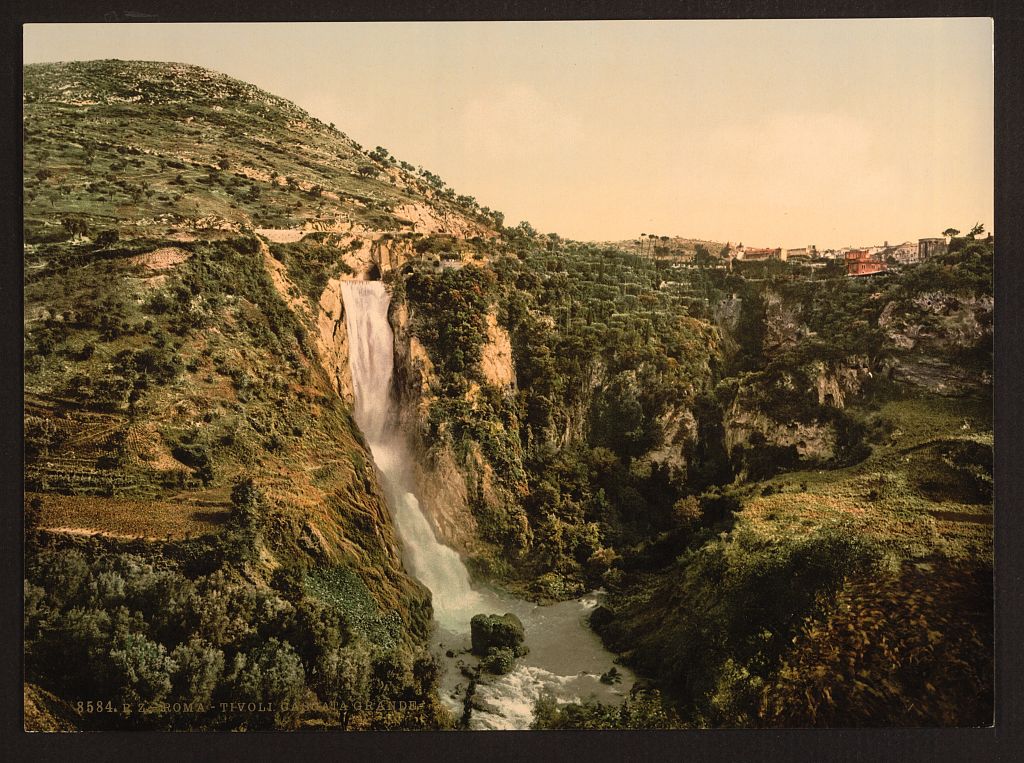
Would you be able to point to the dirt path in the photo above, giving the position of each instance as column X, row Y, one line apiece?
column 91, row 532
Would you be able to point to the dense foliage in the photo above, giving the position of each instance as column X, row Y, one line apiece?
column 149, row 632
column 644, row 711
column 450, row 319
column 611, row 350
column 909, row 649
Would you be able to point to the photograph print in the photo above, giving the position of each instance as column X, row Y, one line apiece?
column 492, row 375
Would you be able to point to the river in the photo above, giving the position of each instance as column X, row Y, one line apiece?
column 565, row 657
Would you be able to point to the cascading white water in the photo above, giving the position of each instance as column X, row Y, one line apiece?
column 371, row 359
column 565, row 657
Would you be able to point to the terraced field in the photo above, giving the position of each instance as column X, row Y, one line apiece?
column 128, row 517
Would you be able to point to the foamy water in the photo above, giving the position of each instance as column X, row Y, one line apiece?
column 565, row 657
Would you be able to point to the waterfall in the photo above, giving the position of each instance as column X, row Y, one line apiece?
column 371, row 359
column 565, row 656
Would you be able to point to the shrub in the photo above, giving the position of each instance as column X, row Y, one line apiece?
column 642, row 711
column 197, row 457
column 269, row 673
column 140, row 671
column 910, row 649
column 199, row 668
column 76, row 226
column 741, row 600
column 107, row 238
column 716, row 505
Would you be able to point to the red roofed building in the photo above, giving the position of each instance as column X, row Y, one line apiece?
column 860, row 262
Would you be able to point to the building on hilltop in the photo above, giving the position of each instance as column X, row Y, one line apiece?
column 931, row 247
column 861, row 262
column 751, row 254
column 905, row 253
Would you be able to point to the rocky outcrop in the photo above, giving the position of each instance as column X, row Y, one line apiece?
column 834, row 383
column 496, row 362
column 679, row 429
column 444, row 496
column 414, row 370
column 938, row 321
column 784, row 326
column 813, row 441
column 332, row 339
column 570, row 422
column 930, row 336
column 495, row 632
column 726, row 313
column 937, row 375
column 429, row 219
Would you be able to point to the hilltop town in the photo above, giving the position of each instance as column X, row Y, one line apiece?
column 856, row 260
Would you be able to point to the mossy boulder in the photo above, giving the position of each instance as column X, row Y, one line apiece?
column 499, row 661
column 495, row 632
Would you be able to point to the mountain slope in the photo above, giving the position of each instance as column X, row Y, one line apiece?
column 182, row 378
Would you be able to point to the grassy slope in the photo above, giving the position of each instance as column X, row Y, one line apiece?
column 904, row 495
column 114, row 139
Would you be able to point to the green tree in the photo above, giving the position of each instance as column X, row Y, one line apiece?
column 76, row 226
column 702, row 256
column 270, row 673
column 199, row 667
column 140, row 671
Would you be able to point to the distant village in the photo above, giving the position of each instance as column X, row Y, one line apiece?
column 859, row 261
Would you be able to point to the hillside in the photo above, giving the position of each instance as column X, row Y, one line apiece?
column 173, row 354
column 748, row 461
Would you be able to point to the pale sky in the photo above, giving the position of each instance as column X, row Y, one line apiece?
column 773, row 133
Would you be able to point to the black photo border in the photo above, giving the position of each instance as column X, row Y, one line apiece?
column 1003, row 741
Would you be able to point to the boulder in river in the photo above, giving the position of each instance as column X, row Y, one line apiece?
column 499, row 661
column 496, row 631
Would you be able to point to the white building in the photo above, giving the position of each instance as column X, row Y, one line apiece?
column 905, row 253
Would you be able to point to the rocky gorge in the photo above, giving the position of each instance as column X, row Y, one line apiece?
column 699, row 474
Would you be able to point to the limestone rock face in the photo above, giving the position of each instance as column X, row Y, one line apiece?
column 783, row 324
column 813, row 441
column 929, row 334
column 496, row 362
column 835, row 382
column 332, row 339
